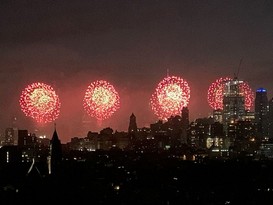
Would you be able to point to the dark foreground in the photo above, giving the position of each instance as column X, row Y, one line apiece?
column 106, row 178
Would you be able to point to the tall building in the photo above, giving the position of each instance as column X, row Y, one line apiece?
column 233, row 102
column 185, row 117
column 185, row 124
column 270, row 119
column 15, row 128
column 9, row 136
column 22, row 138
column 261, row 112
column 27, row 143
column 55, row 153
column 132, row 124
column 198, row 132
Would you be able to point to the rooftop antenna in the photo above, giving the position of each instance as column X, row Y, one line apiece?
column 236, row 75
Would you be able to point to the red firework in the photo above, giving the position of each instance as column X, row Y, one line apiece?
column 101, row 100
column 249, row 95
column 215, row 94
column 40, row 102
column 170, row 96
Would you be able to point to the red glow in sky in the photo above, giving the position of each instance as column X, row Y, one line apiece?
column 74, row 43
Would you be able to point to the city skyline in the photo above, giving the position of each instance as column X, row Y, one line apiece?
column 132, row 45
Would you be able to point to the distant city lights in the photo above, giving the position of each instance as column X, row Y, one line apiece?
column 261, row 90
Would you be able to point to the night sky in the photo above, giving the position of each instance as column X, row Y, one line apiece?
column 69, row 44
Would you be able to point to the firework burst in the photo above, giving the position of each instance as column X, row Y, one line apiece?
column 40, row 102
column 170, row 96
column 215, row 94
column 101, row 100
column 249, row 95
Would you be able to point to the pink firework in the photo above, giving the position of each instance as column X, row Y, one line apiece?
column 40, row 102
column 101, row 100
column 216, row 90
column 170, row 96
column 249, row 95
column 215, row 93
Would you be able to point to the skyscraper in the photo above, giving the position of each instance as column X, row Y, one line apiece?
column 261, row 112
column 185, row 117
column 270, row 119
column 233, row 102
column 185, row 124
column 132, row 124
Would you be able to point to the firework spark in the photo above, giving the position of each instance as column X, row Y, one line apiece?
column 170, row 96
column 101, row 100
column 40, row 102
column 249, row 95
column 215, row 94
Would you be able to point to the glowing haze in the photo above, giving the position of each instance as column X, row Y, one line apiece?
column 40, row 102
column 170, row 96
column 70, row 44
column 101, row 100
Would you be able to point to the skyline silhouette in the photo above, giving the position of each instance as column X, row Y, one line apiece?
column 131, row 44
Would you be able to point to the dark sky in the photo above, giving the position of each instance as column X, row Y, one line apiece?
column 69, row 44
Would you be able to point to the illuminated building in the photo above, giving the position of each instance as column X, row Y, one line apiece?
column 218, row 115
column 261, row 112
column 250, row 116
column 199, row 131
column 10, row 154
column 241, row 138
column 15, row 129
column 270, row 119
column 91, row 141
column 11, row 133
column 266, row 150
column 233, row 101
column 157, row 127
column 10, row 137
column 237, row 101
column 27, row 143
